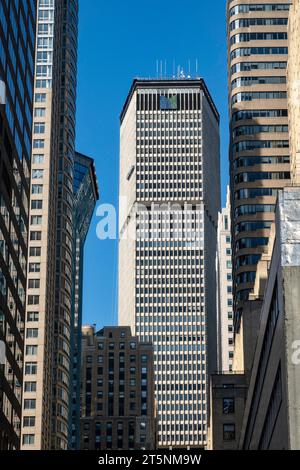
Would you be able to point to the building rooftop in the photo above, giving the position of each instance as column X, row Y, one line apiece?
column 170, row 83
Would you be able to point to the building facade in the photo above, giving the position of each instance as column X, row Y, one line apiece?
column 224, row 290
column 259, row 140
column 272, row 418
column 228, row 399
column 48, row 326
column 168, row 237
column 117, row 391
column 294, row 90
column 17, row 46
column 86, row 194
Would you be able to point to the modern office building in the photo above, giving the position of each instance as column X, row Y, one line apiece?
column 259, row 140
column 294, row 90
column 117, row 391
column 17, row 45
column 86, row 194
column 169, row 164
column 47, row 370
column 224, row 290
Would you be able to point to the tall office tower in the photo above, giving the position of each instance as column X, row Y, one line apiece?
column 224, row 291
column 170, row 199
column 48, row 316
column 294, row 90
column 259, row 146
column 86, row 194
column 117, row 391
column 17, row 44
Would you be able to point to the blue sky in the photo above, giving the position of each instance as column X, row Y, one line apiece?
column 120, row 40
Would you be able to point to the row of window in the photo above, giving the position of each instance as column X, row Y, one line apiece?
column 246, row 37
column 247, row 22
column 249, row 66
column 251, row 7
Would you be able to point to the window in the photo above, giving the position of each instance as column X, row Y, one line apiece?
column 32, row 316
column 29, row 421
column 229, row 432
column 40, row 112
column 35, row 236
column 37, row 174
column 33, row 300
column 35, row 251
column 34, row 284
column 228, row 406
column 30, row 404
column 31, row 350
column 34, row 267
column 30, row 387
column 39, row 128
column 28, row 439
column 38, row 159
column 40, row 98
column 36, row 220
column 38, row 144
column 32, row 333
column 37, row 189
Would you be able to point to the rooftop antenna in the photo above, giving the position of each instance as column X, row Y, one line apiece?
column 157, row 68
column 161, row 68
column 174, row 68
column 196, row 68
column 189, row 76
column 165, row 69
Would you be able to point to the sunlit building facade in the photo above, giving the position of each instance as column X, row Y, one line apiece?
column 169, row 164
column 259, row 139
column 47, row 371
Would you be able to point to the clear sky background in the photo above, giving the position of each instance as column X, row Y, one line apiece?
column 120, row 40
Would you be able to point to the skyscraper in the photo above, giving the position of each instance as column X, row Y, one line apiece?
column 168, row 235
column 224, row 290
column 50, row 268
column 259, row 145
column 86, row 194
column 17, row 45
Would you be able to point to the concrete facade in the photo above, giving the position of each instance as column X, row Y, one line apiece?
column 117, row 391
column 169, row 158
column 272, row 412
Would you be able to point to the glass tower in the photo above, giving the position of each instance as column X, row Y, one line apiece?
column 17, row 45
column 86, row 194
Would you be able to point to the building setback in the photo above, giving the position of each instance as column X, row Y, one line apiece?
column 170, row 159
column 47, row 371
column 17, row 45
column 86, row 194
column 117, row 391
column 259, row 140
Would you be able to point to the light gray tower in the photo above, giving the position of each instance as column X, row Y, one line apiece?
column 169, row 203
